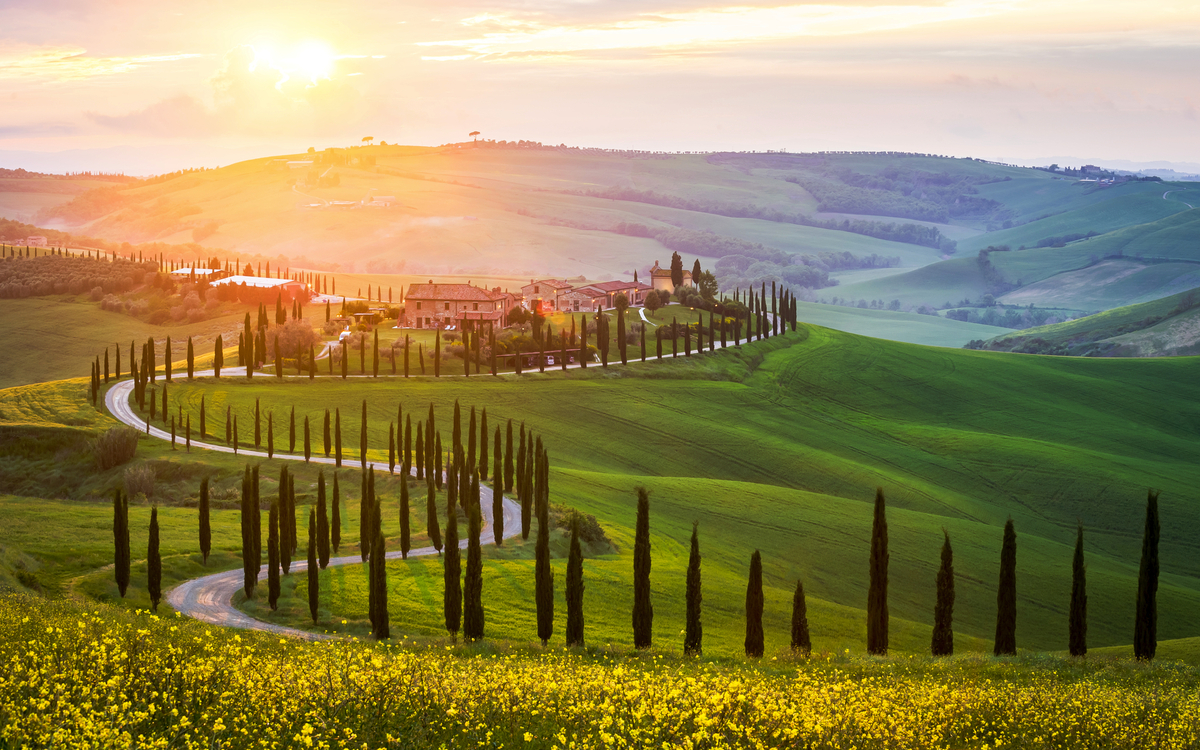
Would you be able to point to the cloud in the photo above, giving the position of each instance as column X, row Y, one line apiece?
column 247, row 98
column 72, row 63
column 504, row 36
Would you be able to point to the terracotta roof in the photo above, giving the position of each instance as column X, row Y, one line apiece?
column 616, row 286
column 452, row 292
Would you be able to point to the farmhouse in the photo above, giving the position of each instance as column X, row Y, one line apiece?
column 604, row 293
column 440, row 305
column 661, row 278
column 543, row 295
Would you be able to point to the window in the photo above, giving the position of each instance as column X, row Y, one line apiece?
column 576, row 305
column 476, row 306
column 418, row 305
column 447, row 305
column 536, row 289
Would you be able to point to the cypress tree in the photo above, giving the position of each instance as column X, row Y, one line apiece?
column 801, row 643
column 391, row 449
column 167, row 360
column 273, row 556
column 943, row 612
column 218, row 357
column 456, row 428
column 508, row 459
column 452, row 577
column 437, row 353
column 154, row 562
column 877, row 604
column 121, row 541
column 249, row 577
column 379, row 588
column 270, row 434
column 431, row 519
column 420, row 459
column 497, row 494
column 365, row 536
column 292, row 431
column 256, row 520
column 439, row 475
column 483, row 445
column 191, row 359
column 312, row 363
column 1077, row 621
column 408, row 457
column 405, row 511
column 472, row 440
column 337, row 438
column 643, row 610
column 575, row 588
column 314, row 581
column 322, row 521
column 257, row 424
column 1006, row 595
column 205, row 523
column 693, row 630
column 203, row 419
column 754, row 608
column 287, row 520
column 335, row 524
column 544, row 580
column 1145, row 624
column 473, row 584
column 523, row 459
column 307, row 440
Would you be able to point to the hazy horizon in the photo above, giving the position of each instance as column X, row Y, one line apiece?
column 198, row 85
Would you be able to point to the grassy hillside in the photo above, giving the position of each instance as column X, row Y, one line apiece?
column 911, row 328
column 792, row 447
column 1166, row 326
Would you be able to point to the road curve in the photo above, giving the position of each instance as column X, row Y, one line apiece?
column 210, row 598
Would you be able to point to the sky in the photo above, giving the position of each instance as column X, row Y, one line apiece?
column 163, row 85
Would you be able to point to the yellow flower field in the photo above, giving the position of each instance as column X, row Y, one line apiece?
column 75, row 677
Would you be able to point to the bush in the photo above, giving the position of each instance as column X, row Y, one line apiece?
column 139, row 480
column 115, row 447
column 653, row 302
column 96, row 294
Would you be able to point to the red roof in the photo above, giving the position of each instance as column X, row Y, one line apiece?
column 552, row 283
column 452, row 292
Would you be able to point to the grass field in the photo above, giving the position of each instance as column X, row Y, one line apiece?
column 791, row 448
column 1166, row 326
column 910, row 328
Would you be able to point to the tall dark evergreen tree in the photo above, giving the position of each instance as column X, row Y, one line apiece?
column 1006, row 595
column 335, row 523
column 643, row 610
column 154, row 562
column 121, row 540
column 322, row 520
column 943, row 611
column 877, row 594
column 801, row 642
column 326, row 435
column 508, row 459
column 544, row 580
column 365, row 508
column 381, row 629
column 431, row 517
column 307, row 441
column 257, row 424
column 271, row 435
column 1077, row 620
column 484, row 436
column 314, row 580
column 754, row 608
column 452, row 578
column 337, row 438
column 473, row 583
column 1145, row 624
column 249, row 571
column 205, row 522
column 420, row 451
column 273, row 556
column 191, row 359
column 693, row 633
column 575, row 588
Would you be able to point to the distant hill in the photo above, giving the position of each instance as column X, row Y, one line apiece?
column 1167, row 326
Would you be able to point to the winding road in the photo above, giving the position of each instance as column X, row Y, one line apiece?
column 210, row 598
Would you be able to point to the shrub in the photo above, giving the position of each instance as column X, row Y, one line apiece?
column 115, row 447
column 139, row 480
column 96, row 294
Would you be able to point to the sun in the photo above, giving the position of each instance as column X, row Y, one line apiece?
column 313, row 61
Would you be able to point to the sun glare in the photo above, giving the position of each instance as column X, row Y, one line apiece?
column 310, row 61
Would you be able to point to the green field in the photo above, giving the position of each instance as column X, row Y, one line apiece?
column 796, row 433
column 1166, row 326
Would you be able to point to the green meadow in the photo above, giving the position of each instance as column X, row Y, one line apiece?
column 778, row 446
